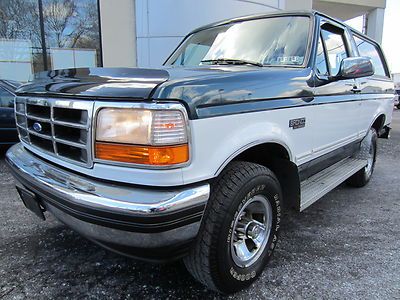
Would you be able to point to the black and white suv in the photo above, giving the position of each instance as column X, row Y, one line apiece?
column 198, row 159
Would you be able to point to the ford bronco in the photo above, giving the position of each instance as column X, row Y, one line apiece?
column 198, row 159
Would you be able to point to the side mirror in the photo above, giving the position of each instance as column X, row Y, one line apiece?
column 355, row 67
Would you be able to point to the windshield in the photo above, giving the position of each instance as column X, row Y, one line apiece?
column 270, row 41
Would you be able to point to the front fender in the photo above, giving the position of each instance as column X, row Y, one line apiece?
column 216, row 141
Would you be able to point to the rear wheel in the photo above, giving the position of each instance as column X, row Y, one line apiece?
column 368, row 152
column 239, row 230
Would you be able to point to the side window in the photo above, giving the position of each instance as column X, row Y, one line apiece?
column 335, row 48
column 369, row 50
column 320, row 62
column 6, row 98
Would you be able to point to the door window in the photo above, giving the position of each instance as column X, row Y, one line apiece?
column 335, row 48
column 321, row 63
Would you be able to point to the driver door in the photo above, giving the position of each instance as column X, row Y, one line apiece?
column 336, row 110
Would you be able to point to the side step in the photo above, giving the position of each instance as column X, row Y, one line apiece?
column 323, row 182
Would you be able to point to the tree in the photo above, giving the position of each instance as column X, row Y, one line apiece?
column 69, row 23
column 19, row 19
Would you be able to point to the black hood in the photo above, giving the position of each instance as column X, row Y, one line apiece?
column 196, row 87
column 133, row 83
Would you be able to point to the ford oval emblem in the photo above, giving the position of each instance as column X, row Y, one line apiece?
column 37, row 127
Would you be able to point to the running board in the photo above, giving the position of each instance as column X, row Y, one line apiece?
column 323, row 182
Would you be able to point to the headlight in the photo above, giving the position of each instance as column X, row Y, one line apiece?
column 142, row 136
column 121, row 125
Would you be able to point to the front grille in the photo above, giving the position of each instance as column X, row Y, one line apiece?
column 59, row 127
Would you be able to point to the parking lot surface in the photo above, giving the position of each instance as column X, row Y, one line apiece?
column 346, row 245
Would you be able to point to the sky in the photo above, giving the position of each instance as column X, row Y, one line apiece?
column 391, row 41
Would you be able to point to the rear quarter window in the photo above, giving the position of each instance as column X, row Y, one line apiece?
column 365, row 48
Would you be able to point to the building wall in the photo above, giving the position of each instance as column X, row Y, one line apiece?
column 144, row 32
column 118, row 33
column 161, row 25
column 298, row 4
column 375, row 20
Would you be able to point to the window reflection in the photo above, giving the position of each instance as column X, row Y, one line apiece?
column 269, row 41
column 320, row 62
column 335, row 47
column 367, row 49
column 71, row 36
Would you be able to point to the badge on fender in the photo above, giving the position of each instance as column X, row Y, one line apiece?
column 297, row 123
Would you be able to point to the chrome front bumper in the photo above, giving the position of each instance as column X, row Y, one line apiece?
column 150, row 223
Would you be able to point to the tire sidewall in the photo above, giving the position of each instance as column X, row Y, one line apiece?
column 374, row 139
column 235, row 278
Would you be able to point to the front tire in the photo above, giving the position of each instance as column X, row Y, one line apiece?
column 239, row 229
column 368, row 150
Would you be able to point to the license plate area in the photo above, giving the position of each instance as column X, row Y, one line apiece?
column 31, row 202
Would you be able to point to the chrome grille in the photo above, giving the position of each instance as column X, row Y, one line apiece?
column 59, row 127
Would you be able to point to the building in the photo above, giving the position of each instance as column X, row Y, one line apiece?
column 37, row 35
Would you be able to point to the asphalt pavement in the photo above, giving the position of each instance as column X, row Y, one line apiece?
column 347, row 245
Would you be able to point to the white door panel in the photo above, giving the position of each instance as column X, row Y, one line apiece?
column 217, row 140
column 338, row 124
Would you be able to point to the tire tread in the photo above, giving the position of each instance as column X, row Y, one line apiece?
column 200, row 262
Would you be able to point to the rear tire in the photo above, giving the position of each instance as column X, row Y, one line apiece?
column 239, row 229
column 368, row 149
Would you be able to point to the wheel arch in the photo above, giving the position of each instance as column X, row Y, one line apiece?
column 379, row 122
column 277, row 157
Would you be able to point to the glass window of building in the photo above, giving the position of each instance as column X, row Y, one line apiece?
column 41, row 35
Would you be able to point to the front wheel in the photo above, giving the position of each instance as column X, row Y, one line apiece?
column 239, row 229
column 368, row 152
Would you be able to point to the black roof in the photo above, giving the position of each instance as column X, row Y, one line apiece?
column 254, row 17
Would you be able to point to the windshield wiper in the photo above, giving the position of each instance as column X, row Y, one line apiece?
column 232, row 61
